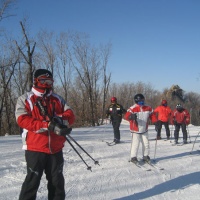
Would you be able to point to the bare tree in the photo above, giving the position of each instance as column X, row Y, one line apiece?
column 88, row 71
column 105, row 53
column 64, row 68
column 48, row 50
column 5, row 6
column 7, row 69
column 27, row 57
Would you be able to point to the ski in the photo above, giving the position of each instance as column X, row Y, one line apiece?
column 167, row 139
column 154, row 165
column 179, row 144
column 141, row 166
column 110, row 143
column 175, row 144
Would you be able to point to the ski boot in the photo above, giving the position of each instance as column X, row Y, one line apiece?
column 146, row 159
column 184, row 141
column 168, row 137
column 175, row 141
column 116, row 141
column 158, row 138
column 134, row 160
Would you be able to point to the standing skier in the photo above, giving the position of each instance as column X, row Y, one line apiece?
column 138, row 116
column 115, row 111
column 42, row 115
column 180, row 118
column 163, row 113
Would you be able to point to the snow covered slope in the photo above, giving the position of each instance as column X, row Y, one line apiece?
column 115, row 178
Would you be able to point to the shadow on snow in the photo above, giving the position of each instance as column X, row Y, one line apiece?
column 171, row 185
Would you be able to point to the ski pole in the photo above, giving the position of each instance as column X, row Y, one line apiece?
column 88, row 167
column 155, row 150
column 171, row 132
column 131, row 148
column 104, row 130
column 194, row 142
column 188, row 134
column 95, row 161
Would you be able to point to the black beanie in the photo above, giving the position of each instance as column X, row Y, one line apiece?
column 42, row 72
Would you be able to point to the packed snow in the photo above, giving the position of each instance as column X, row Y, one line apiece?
column 114, row 177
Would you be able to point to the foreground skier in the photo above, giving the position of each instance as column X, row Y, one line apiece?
column 41, row 113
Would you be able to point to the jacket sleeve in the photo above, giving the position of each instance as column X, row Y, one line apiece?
column 123, row 110
column 24, row 118
column 170, row 111
column 172, row 117
column 68, row 113
column 69, row 116
column 127, row 114
column 153, row 117
column 187, row 117
column 156, row 110
column 107, row 112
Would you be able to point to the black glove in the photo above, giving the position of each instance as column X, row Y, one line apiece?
column 133, row 117
column 58, row 128
column 174, row 122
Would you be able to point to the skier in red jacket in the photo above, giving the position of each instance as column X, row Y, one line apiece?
column 45, row 119
column 180, row 118
column 163, row 113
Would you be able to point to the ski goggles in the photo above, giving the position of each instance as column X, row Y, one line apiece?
column 45, row 81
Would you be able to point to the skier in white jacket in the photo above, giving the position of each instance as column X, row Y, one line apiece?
column 138, row 116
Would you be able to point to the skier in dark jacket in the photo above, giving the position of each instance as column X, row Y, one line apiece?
column 115, row 111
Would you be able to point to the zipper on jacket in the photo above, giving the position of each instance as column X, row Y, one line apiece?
column 49, row 136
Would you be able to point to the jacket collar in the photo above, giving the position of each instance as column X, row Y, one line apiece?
column 40, row 93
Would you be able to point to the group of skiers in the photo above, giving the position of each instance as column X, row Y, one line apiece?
column 45, row 120
column 138, row 116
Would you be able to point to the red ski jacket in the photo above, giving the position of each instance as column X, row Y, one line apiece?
column 181, row 117
column 144, row 113
column 35, row 135
column 163, row 113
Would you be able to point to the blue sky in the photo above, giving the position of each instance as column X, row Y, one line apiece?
column 153, row 41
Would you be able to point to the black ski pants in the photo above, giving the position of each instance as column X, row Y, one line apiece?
column 159, row 127
column 52, row 165
column 116, row 125
column 177, row 129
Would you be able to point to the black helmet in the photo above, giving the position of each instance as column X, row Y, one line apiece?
column 179, row 106
column 43, row 79
column 139, row 97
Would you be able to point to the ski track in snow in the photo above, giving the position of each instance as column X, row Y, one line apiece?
column 115, row 177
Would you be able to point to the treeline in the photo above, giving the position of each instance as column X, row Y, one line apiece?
column 81, row 75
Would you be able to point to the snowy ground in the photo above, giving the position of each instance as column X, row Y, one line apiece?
column 115, row 178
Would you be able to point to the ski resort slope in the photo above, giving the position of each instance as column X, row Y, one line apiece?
column 115, row 177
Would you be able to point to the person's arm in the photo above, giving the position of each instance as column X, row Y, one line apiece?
column 24, row 118
column 69, row 116
column 123, row 110
column 173, row 118
column 187, row 117
column 107, row 112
